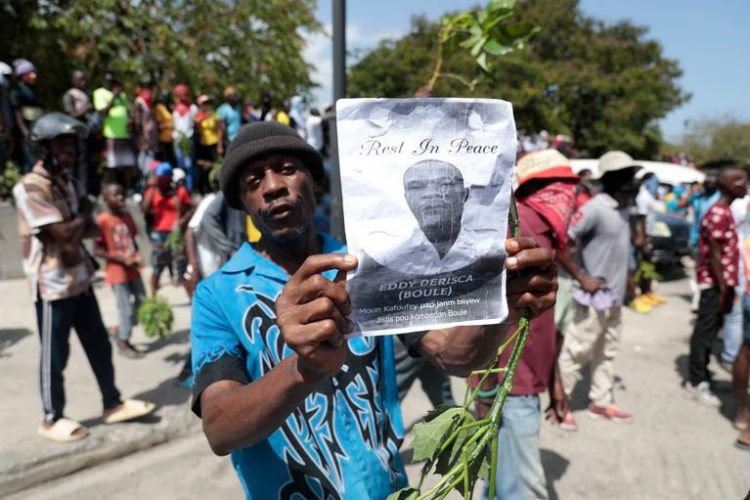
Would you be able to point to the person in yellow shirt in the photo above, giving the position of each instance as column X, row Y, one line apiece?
column 210, row 144
column 165, row 126
column 282, row 116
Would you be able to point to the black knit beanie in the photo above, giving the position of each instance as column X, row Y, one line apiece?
column 258, row 139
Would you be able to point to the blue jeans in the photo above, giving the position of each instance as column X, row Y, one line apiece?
column 128, row 296
column 520, row 475
column 185, row 162
column 732, row 329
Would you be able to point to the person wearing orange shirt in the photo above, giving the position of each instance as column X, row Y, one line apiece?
column 117, row 246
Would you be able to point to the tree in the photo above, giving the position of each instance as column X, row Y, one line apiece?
column 204, row 43
column 606, row 85
column 707, row 140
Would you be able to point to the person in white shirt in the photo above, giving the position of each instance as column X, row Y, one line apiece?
column 314, row 127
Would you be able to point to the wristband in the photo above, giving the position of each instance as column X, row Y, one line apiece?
column 487, row 394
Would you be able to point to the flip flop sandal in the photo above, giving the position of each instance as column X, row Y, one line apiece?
column 130, row 353
column 129, row 410
column 63, row 431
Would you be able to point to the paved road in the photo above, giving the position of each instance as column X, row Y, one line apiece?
column 673, row 450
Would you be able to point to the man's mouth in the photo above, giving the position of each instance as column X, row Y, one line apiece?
column 281, row 210
column 433, row 210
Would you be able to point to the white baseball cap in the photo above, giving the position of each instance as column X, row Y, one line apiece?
column 178, row 175
column 613, row 161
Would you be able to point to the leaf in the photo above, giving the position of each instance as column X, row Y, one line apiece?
column 495, row 48
column 477, row 48
column 501, row 5
column 482, row 61
column 520, row 30
column 430, row 434
column 407, row 493
column 484, row 468
column 452, row 453
column 464, row 446
column 437, row 411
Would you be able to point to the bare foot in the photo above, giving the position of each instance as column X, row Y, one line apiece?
column 742, row 422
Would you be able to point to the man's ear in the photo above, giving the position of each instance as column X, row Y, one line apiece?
column 466, row 194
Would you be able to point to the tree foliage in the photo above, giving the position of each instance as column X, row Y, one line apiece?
column 605, row 84
column 707, row 140
column 205, row 43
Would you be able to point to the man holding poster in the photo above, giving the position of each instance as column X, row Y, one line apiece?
column 305, row 409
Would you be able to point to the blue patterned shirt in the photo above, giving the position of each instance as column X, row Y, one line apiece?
column 343, row 440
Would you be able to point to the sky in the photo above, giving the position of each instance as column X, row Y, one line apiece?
column 711, row 41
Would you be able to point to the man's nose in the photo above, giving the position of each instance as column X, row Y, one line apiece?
column 274, row 185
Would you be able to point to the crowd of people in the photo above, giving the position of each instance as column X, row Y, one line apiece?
column 127, row 133
column 229, row 200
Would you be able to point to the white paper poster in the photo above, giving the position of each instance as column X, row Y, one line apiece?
column 426, row 187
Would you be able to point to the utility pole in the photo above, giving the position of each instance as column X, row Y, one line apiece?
column 339, row 91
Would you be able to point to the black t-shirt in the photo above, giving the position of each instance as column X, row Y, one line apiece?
column 25, row 99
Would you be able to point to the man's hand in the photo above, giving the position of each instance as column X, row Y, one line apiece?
column 135, row 261
column 312, row 315
column 558, row 402
column 85, row 207
column 532, row 277
column 591, row 284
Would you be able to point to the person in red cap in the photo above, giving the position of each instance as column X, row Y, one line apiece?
column 210, row 144
column 183, row 116
column 545, row 198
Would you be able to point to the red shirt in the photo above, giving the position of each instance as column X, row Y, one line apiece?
column 537, row 364
column 582, row 196
column 118, row 238
column 718, row 225
column 165, row 208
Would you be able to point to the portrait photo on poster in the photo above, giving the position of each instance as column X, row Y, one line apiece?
column 426, row 185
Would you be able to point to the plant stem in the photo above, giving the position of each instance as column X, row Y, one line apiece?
column 493, row 466
column 502, row 395
column 455, row 433
column 438, row 61
column 486, row 372
column 494, row 370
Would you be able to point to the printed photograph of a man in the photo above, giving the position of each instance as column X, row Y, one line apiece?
column 435, row 193
column 442, row 237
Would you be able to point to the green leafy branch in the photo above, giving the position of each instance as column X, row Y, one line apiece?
column 156, row 317
column 175, row 241
column 483, row 33
column 451, row 441
column 646, row 270
column 9, row 176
